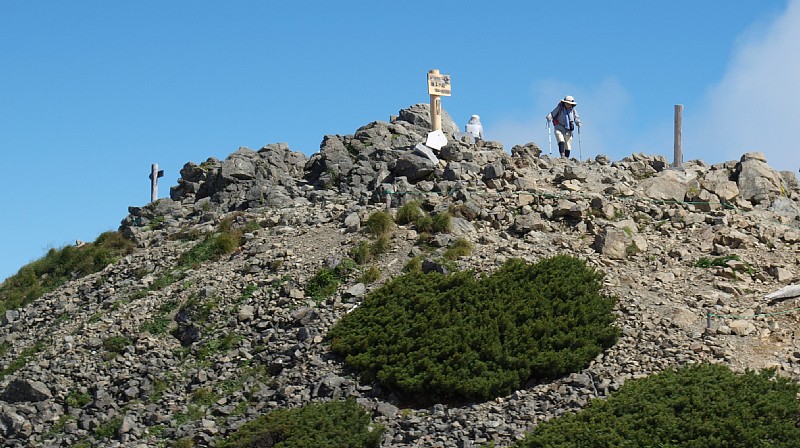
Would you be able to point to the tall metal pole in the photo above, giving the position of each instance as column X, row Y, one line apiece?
column 677, row 160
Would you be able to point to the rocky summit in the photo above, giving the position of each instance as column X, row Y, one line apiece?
column 647, row 226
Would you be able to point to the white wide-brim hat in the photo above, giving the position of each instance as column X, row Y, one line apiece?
column 569, row 100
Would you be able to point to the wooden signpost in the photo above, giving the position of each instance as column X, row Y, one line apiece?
column 438, row 86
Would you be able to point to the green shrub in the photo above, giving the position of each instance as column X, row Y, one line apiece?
column 159, row 387
column 77, row 399
column 108, row 429
column 228, row 342
column 204, row 396
column 413, row 265
column 705, row 262
column 380, row 245
column 195, row 412
column 186, row 234
column 332, row 178
column 433, row 337
column 424, row 224
column 212, row 248
column 442, row 223
column 157, row 325
column 247, row 292
column 60, row 266
column 20, row 361
column 361, row 252
column 371, row 275
column 702, row 405
column 252, row 226
column 116, row 344
column 380, row 224
column 344, row 268
column 160, row 322
column 62, row 421
column 333, row 424
column 226, row 223
column 236, row 224
column 197, row 310
column 408, row 213
column 156, row 223
column 364, row 251
column 459, row 248
column 165, row 279
column 185, row 442
column 323, row 284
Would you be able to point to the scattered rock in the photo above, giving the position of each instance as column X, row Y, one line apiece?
column 669, row 262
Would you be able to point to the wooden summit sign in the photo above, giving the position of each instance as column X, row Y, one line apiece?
column 438, row 84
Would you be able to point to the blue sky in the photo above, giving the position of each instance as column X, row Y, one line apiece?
column 93, row 92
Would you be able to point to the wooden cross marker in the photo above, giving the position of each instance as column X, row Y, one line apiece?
column 154, row 175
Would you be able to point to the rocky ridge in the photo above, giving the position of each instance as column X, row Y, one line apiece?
column 643, row 224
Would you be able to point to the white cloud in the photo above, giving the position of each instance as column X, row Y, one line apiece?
column 756, row 105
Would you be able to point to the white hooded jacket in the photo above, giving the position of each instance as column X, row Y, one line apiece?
column 474, row 127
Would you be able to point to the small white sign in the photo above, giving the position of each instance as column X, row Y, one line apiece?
column 436, row 140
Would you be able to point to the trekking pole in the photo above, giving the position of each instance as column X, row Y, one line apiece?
column 549, row 139
column 580, row 148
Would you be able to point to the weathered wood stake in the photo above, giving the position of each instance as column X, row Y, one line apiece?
column 677, row 160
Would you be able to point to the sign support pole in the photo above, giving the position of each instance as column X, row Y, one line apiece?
column 436, row 107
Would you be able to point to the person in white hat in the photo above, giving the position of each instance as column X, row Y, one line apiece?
column 565, row 119
column 474, row 128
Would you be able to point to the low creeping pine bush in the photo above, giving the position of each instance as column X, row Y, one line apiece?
column 331, row 424
column 703, row 405
column 433, row 337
